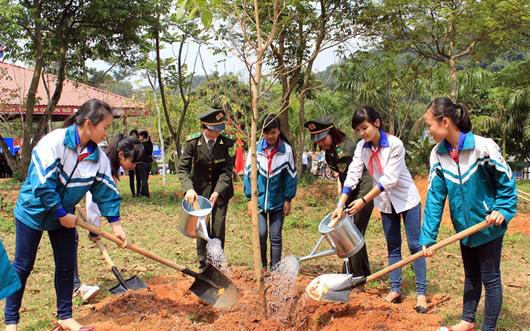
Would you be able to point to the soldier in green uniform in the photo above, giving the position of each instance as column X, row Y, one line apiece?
column 339, row 150
column 205, row 168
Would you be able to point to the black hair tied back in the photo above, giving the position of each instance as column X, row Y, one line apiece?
column 130, row 147
column 445, row 107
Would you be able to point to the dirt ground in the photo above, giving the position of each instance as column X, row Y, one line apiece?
column 168, row 305
column 520, row 223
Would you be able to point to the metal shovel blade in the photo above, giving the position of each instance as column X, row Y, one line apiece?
column 214, row 288
column 133, row 283
column 333, row 287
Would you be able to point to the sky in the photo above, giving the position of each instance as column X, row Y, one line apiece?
column 222, row 63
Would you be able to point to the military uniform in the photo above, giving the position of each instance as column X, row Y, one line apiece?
column 338, row 158
column 207, row 172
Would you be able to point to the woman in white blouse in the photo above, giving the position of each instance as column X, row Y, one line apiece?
column 394, row 194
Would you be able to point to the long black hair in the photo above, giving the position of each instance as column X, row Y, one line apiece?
column 365, row 113
column 336, row 135
column 129, row 146
column 271, row 121
column 444, row 107
column 94, row 110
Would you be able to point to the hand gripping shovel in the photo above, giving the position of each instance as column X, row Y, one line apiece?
column 133, row 283
column 337, row 287
column 211, row 285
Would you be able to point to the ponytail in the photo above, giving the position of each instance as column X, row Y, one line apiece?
column 464, row 119
column 444, row 107
column 94, row 110
column 130, row 148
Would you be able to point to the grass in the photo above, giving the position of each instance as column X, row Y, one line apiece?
column 152, row 224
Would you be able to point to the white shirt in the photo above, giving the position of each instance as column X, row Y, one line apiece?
column 398, row 187
column 304, row 158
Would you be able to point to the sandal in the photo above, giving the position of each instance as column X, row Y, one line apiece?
column 59, row 327
column 450, row 328
column 396, row 299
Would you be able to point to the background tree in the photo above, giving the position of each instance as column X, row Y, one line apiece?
column 448, row 31
column 58, row 37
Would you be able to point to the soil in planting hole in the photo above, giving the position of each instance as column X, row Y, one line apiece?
column 168, row 305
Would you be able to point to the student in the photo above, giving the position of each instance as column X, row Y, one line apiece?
column 9, row 281
column 144, row 167
column 65, row 165
column 123, row 152
column 339, row 151
column 395, row 195
column 132, row 173
column 276, row 186
column 205, row 168
column 463, row 164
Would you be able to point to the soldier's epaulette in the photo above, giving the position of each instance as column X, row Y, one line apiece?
column 193, row 136
column 229, row 136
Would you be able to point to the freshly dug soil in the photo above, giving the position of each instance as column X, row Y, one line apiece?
column 168, row 305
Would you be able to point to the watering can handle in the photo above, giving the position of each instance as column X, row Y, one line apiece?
column 196, row 205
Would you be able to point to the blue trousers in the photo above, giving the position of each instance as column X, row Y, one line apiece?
column 482, row 265
column 392, row 229
column 64, row 254
column 274, row 229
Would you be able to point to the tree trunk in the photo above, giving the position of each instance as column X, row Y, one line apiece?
column 162, row 148
column 27, row 134
column 161, row 85
column 453, row 80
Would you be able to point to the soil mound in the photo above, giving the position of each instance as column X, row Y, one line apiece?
column 168, row 305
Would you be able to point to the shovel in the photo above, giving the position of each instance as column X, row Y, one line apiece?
column 211, row 285
column 133, row 283
column 337, row 287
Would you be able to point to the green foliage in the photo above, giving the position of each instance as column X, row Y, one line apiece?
column 417, row 156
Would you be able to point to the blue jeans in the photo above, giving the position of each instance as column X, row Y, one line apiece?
column 27, row 244
column 392, row 229
column 275, row 231
column 482, row 266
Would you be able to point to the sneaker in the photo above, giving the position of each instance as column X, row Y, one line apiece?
column 87, row 292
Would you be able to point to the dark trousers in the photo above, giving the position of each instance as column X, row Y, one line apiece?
column 77, row 280
column 274, row 230
column 359, row 265
column 64, row 254
column 482, row 266
column 132, row 173
column 143, row 170
column 216, row 229
column 392, row 228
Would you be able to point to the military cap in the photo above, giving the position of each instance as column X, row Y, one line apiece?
column 214, row 119
column 318, row 128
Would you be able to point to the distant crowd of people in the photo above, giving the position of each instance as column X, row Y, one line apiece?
column 143, row 168
column 5, row 170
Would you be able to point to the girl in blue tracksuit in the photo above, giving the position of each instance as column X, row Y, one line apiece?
column 65, row 165
column 9, row 281
column 471, row 171
column 276, row 186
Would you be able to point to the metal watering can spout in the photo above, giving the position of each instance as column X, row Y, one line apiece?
column 345, row 239
column 193, row 220
column 313, row 255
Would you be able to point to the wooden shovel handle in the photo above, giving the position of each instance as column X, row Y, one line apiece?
column 105, row 253
column 81, row 221
column 460, row 235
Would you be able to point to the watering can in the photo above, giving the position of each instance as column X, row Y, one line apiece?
column 345, row 239
column 193, row 218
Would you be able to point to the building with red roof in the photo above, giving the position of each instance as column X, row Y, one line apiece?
column 14, row 85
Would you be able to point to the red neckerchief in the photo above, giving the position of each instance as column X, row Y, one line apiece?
column 270, row 155
column 375, row 157
column 455, row 155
